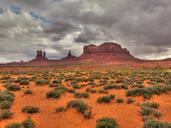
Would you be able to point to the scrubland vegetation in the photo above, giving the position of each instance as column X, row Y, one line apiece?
column 89, row 93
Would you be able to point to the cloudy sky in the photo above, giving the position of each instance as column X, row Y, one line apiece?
column 142, row 26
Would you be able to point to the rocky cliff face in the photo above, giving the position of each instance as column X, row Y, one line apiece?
column 108, row 51
column 41, row 56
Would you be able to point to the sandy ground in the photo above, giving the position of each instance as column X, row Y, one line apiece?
column 127, row 115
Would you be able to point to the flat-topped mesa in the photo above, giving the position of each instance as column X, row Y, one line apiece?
column 107, row 47
column 69, row 57
column 107, row 50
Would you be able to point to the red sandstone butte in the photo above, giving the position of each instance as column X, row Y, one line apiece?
column 108, row 51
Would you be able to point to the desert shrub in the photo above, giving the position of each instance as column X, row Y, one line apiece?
column 80, row 105
column 60, row 109
column 13, row 125
column 87, row 114
column 102, row 91
column 148, row 91
column 119, row 100
column 13, row 88
column 85, row 95
column 76, row 86
column 28, row 92
column 130, row 100
column 61, row 89
column 139, row 91
column 151, row 105
column 56, row 93
column 81, row 95
column 30, row 109
column 148, row 109
column 92, row 91
column 5, row 114
column 24, row 82
column 55, row 83
column 53, row 94
column 71, row 91
column 106, row 123
column 107, row 87
column 105, row 99
column 5, row 78
column 28, row 123
column 124, row 87
column 6, row 99
column 157, row 114
column 5, row 104
column 77, row 95
column 156, row 124
column 42, row 82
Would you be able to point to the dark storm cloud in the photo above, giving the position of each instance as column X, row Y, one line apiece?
column 143, row 26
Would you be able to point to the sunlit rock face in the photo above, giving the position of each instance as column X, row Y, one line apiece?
column 106, row 51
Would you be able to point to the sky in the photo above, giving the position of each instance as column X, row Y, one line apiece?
column 57, row 26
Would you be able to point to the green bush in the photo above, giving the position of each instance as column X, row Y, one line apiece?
column 28, row 123
column 28, row 92
column 130, row 100
column 148, row 91
column 5, row 104
column 87, row 114
column 13, row 88
column 151, row 105
column 24, row 82
column 6, row 99
column 76, row 86
column 105, row 99
column 5, row 114
column 148, row 109
column 106, row 123
column 102, row 91
column 53, row 94
column 156, row 124
column 92, row 91
column 60, row 109
column 13, row 125
column 56, row 93
column 79, row 105
column 55, row 83
column 80, row 95
column 42, row 82
column 85, row 95
column 107, row 87
column 30, row 109
column 119, row 100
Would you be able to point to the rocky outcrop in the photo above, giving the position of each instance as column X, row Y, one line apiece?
column 69, row 57
column 108, row 51
column 41, row 56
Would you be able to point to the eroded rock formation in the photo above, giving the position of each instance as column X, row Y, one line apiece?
column 107, row 51
column 69, row 57
column 41, row 56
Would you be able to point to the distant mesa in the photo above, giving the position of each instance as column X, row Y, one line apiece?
column 107, row 51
